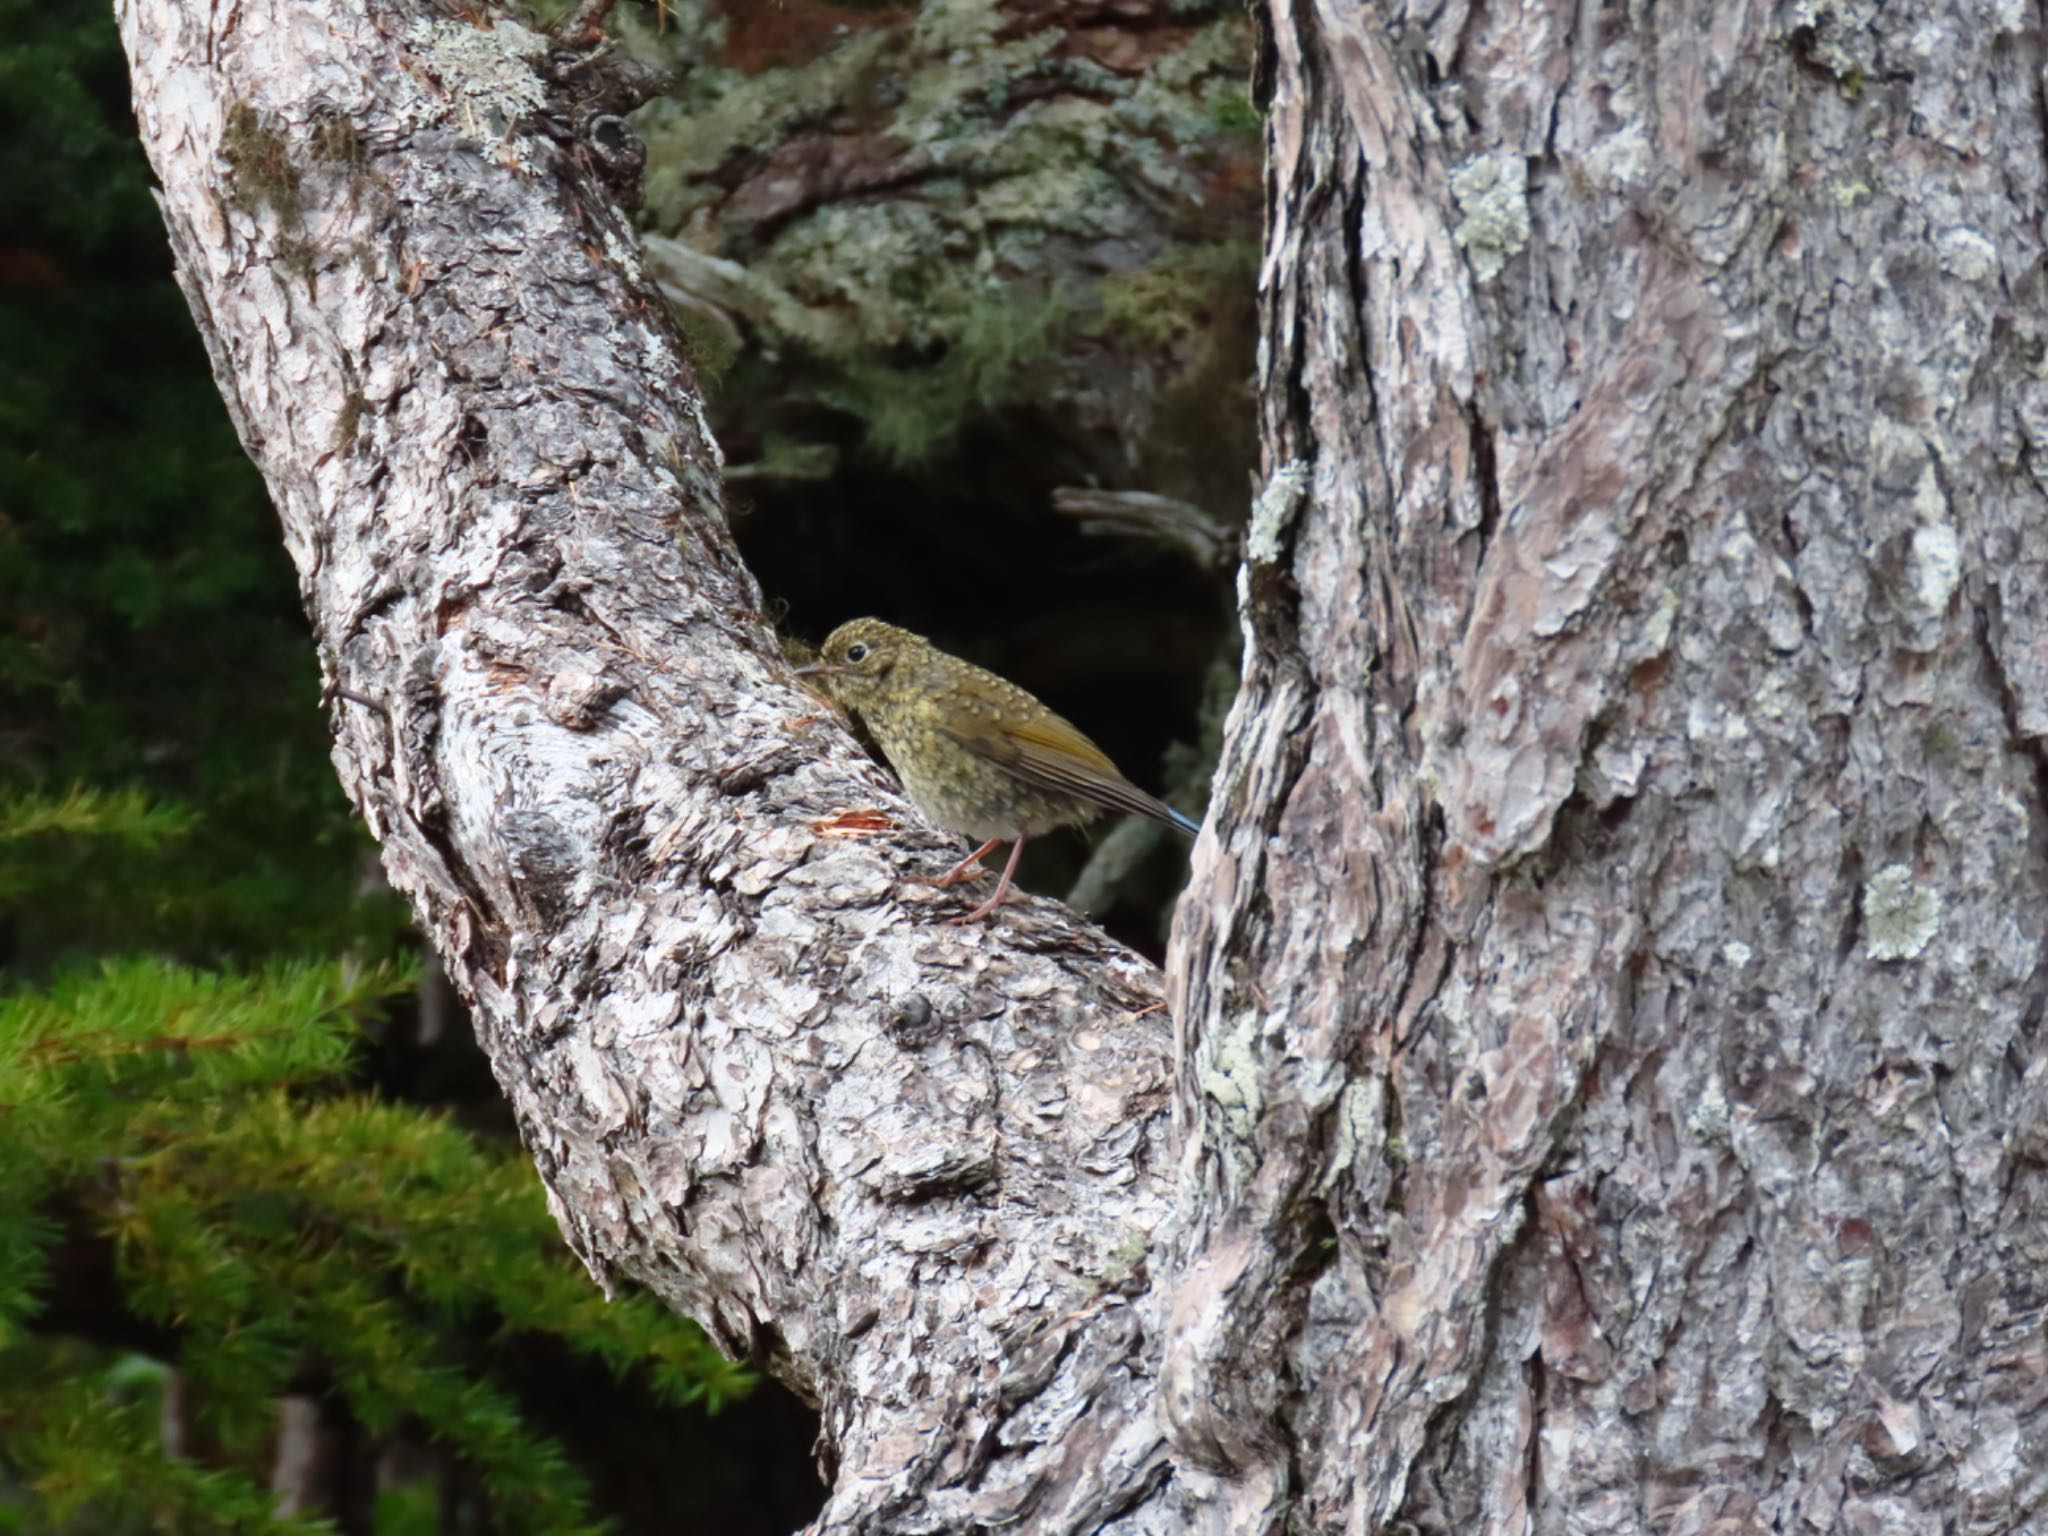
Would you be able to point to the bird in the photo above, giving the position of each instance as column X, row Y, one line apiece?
column 976, row 753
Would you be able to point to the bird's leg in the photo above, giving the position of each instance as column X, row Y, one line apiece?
column 966, row 869
column 1002, row 887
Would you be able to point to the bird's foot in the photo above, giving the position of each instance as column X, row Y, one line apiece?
column 950, row 878
column 1002, row 885
column 968, row 868
column 979, row 912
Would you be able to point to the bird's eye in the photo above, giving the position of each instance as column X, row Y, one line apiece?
column 856, row 653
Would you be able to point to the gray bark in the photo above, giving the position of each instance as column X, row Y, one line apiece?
column 1612, row 995
column 1608, row 1090
column 914, row 1167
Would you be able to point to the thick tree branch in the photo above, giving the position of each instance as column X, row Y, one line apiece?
column 915, row 1167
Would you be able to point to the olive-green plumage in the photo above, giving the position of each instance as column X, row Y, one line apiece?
column 976, row 753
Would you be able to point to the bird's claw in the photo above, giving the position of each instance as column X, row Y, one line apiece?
column 950, row 878
column 979, row 912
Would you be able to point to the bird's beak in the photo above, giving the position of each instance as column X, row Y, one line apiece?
column 815, row 669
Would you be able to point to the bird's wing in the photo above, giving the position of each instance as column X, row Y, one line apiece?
column 1051, row 754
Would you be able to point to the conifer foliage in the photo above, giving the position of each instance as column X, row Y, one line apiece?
column 187, row 1141
column 217, row 1197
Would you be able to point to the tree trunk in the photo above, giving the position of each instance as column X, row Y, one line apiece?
column 1613, row 1068
column 1607, row 1090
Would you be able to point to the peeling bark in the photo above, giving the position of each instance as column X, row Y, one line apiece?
column 1608, row 1091
column 1612, row 995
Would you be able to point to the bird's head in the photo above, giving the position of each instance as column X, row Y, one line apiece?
column 863, row 661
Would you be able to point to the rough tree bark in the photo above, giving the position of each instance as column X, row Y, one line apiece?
column 1612, row 998
column 1608, row 1086
column 913, row 1167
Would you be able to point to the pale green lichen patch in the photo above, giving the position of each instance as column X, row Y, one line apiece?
column 953, row 200
column 1229, row 1074
column 1492, row 193
column 1361, row 1126
column 487, row 77
column 958, row 26
column 1937, row 566
column 1900, row 914
column 1197, row 90
column 687, row 141
column 940, row 100
column 1281, row 498
column 1709, row 1117
column 1967, row 254
column 1622, row 159
column 1663, row 617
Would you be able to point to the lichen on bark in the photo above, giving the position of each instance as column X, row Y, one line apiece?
column 964, row 200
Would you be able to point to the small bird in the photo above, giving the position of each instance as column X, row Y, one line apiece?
column 977, row 754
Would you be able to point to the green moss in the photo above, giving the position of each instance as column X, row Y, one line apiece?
column 336, row 141
column 712, row 347
column 1123, row 1261
column 349, row 423
column 1179, row 294
column 991, row 342
column 297, row 255
column 1231, row 110
column 262, row 174
column 260, row 169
